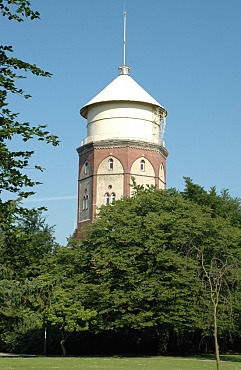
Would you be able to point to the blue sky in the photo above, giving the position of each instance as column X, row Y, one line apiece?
column 185, row 54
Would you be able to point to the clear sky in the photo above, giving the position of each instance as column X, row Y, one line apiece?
column 185, row 53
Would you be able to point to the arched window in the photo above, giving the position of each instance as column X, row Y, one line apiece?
column 86, row 165
column 87, row 202
column 112, row 198
column 111, row 164
column 142, row 165
column 162, row 173
column 107, row 199
column 84, row 203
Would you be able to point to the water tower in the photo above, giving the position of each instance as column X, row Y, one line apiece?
column 125, row 129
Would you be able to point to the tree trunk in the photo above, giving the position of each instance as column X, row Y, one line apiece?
column 162, row 335
column 158, row 336
column 62, row 343
column 216, row 336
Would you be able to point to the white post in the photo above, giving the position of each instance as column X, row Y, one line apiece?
column 45, row 337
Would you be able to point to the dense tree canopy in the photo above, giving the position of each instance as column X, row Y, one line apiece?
column 219, row 262
column 25, row 287
column 222, row 205
column 26, row 241
column 160, row 264
column 141, row 262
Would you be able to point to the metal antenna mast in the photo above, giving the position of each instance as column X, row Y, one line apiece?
column 124, row 38
column 124, row 70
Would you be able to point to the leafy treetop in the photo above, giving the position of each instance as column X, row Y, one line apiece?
column 22, row 9
column 13, row 163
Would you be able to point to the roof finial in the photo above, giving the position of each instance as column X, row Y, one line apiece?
column 124, row 70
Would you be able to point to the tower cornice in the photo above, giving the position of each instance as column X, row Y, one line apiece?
column 110, row 144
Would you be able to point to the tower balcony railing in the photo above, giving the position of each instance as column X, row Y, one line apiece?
column 84, row 141
column 87, row 140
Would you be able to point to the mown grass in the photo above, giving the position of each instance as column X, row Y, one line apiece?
column 152, row 363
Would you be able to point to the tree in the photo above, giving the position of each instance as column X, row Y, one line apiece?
column 20, row 310
column 138, row 273
column 216, row 275
column 12, row 163
column 67, row 313
column 58, row 293
column 26, row 240
column 222, row 205
column 218, row 262
column 139, row 269
column 25, row 285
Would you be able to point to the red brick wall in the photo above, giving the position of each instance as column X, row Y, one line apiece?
column 127, row 154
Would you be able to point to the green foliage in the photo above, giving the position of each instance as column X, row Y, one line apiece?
column 26, row 240
column 219, row 261
column 140, row 263
column 139, row 274
column 222, row 205
column 17, row 10
column 144, row 266
column 25, row 288
column 66, row 311
column 13, row 163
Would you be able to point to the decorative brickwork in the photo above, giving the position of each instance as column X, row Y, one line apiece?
column 101, row 180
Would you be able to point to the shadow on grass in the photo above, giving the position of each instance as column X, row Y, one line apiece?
column 229, row 357
column 211, row 357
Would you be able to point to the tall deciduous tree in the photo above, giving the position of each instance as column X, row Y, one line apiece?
column 25, row 285
column 219, row 260
column 139, row 269
column 139, row 273
column 59, row 293
column 67, row 313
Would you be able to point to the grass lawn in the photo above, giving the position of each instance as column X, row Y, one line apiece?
column 152, row 363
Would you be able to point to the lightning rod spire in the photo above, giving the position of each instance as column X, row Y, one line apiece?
column 124, row 70
column 124, row 38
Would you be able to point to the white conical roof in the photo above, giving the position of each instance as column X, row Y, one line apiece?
column 123, row 88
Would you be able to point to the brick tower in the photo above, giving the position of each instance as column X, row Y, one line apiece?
column 125, row 129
